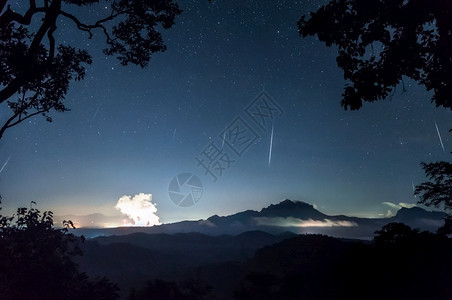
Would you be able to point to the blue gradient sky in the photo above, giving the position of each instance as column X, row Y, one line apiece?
column 118, row 139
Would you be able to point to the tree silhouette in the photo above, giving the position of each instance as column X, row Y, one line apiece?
column 36, row 261
column 170, row 290
column 36, row 70
column 379, row 43
column 382, row 41
column 394, row 233
column 438, row 191
column 400, row 263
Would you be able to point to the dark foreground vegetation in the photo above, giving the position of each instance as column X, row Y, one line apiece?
column 37, row 262
column 400, row 263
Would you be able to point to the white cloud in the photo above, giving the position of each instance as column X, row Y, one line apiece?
column 392, row 205
column 389, row 214
column 140, row 209
column 400, row 205
column 295, row 222
column 407, row 205
column 396, row 207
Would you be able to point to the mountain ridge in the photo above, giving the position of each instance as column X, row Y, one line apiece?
column 288, row 215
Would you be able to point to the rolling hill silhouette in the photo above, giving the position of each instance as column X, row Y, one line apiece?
column 242, row 251
column 132, row 259
column 288, row 215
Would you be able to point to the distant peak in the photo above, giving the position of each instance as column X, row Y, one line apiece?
column 291, row 208
column 412, row 210
column 417, row 212
column 292, row 203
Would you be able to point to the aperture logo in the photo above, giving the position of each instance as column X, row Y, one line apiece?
column 185, row 189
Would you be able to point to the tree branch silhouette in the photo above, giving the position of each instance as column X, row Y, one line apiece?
column 415, row 41
column 34, row 61
column 36, row 260
column 413, row 37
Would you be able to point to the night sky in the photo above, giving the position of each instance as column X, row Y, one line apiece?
column 132, row 130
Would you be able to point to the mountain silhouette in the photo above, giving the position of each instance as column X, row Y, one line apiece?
column 418, row 213
column 243, row 251
column 290, row 208
column 417, row 217
column 132, row 259
column 323, row 267
column 288, row 215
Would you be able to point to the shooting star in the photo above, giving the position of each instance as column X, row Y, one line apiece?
column 414, row 188
column 224, row 137
column 4, row 165
column 271, row 147
column 439, row 136
column 174, row 133
column 95, row 114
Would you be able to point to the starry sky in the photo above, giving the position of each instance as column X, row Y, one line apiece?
column 132, row 130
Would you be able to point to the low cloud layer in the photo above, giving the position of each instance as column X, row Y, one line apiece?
column 139, row 208
column 400, row 205
column 295, row 222
column 396, row 207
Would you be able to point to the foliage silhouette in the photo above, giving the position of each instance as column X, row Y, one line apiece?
column 393, row 233
column 36, row 71
column 379, row 43
column 438, row 190
column 382, row 41
column 170, row 290
column 400, row 263
column 296, row 268
column 36, row 260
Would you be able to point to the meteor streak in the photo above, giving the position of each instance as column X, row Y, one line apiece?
column 4, row 165
column 224, row 137
column 271, row 147
column 95, row 114
column 439, row 136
